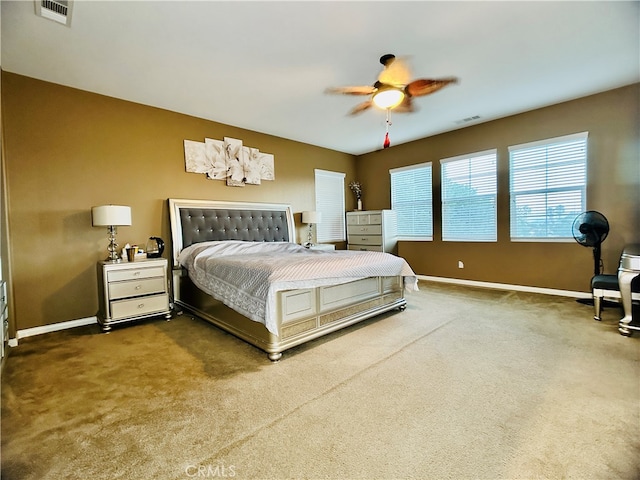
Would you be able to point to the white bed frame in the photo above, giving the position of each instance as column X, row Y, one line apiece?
column 303, row 314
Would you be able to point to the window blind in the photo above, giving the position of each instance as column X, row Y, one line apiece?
column 412, row 200
column 547, row 187
column 469, row 197
column 330, row 201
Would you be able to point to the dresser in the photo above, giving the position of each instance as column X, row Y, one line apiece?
column 4, row 318
column 373, row 230
column 129, row 291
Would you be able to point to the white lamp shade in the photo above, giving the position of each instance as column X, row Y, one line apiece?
column 311, row 217
column 108, row 215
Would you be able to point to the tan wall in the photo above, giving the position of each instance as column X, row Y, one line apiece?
column 613, row 122
column 67, row 150
column 5, row 273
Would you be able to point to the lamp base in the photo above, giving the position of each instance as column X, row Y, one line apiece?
column 113, row 255
column 113, row 246
column 309, row 237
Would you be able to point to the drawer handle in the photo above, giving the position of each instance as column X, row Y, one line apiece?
column 138, row 287
column 141, row 305
column 136, row 274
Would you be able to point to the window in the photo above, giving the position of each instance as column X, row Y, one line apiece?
column 547, row 187
column 411, row 199
column 469, row 197
column 330, row 201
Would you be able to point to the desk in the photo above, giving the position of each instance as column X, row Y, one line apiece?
column 628, row 270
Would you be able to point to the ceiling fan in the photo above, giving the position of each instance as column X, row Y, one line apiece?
column 394, row 89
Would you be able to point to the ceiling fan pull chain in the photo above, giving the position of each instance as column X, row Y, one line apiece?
column 387, row 142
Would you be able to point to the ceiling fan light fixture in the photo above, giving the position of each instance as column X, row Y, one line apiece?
column 388, row 98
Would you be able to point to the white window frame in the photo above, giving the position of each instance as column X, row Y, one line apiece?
column 329, row 188
column 407, row 213
column 563, row 183
column 456, row 208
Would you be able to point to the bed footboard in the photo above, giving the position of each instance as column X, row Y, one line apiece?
column 302, row 315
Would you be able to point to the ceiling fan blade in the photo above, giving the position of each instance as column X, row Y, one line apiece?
column 361, row 107
column 355, row 90
column 406, row 106
column 396, row 72
column 426, row 86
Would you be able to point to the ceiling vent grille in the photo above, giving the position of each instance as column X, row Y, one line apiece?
column 56, row 10
column 468, row 119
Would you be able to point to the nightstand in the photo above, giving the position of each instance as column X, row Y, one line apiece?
column 129, row 291
column 322, row 246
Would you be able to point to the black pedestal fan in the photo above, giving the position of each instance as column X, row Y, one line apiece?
column 589, row 230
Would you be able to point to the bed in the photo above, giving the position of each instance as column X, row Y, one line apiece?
column 295, row 298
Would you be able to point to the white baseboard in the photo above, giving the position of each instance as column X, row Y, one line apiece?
column 54, row 327
column 505, row 286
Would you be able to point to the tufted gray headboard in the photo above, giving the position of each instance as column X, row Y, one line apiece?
column 194, row 221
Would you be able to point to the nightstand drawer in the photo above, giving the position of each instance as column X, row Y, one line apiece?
column 134, row 273
column 139, row 306
column 366, row 248
column 365, row 229
column 365, row 239
column 134, row 288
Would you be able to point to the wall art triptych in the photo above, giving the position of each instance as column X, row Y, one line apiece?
column 228, row 160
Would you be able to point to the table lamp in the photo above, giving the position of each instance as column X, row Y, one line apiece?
column 311, row 218
column 111, row 216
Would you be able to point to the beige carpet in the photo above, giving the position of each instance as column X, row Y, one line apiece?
column 465, row 384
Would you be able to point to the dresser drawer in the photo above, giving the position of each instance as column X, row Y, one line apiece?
column 365, row 248
column 134, row 288
column 364, row 219
column 365, row 230
column 375, row 219
column 352, row 219
column 134, row 273
column 364, row 239
column 139, row 306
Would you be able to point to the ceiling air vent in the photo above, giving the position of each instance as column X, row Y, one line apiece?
column 56, row 10
column 468, row 119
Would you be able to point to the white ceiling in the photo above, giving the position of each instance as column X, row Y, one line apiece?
column 265, row 65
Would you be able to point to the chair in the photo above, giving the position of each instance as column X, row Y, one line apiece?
column 606, row 285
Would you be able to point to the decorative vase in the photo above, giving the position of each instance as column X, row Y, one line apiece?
column 359, row 204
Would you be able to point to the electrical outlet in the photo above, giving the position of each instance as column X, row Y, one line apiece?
column 460, row 264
